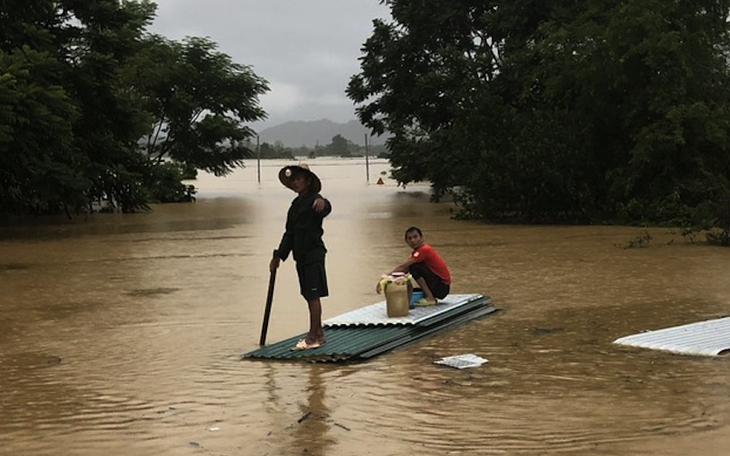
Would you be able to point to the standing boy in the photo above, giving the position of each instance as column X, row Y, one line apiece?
column 303, row 237
column 427, row 268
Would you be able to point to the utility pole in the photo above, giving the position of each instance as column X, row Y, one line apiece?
column 258, row 154
column 367, row 160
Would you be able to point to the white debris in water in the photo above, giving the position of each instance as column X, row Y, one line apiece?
column 462, row 361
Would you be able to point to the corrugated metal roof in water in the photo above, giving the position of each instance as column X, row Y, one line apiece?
column 706, row 338
column 363, row 334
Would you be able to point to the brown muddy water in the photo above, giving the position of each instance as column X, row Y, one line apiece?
column 122, row 334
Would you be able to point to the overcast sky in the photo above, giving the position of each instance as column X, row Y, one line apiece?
column 306, row 49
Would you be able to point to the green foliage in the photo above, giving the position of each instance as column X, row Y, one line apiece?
column 81, row 82
column 276, row 150
column 39, row 161
column 561, row 111
column 718, row 232
column 719, row 237
column 164, row 184
column 200, row 101
column 339, row 146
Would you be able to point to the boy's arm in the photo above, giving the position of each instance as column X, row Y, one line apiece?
column 400, row 268
column 322, row 206
column 285, row 246
column 405, row 267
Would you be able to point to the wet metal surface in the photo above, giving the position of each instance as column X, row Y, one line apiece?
column 122, row 334
column 705, row 338
column 377, row 314
column 357, row 342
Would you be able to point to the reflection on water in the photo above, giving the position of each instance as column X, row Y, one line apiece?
column 121, row 334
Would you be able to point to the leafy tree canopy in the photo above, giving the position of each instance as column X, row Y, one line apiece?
column 82, row 82
column 200, row 101
column 544, row 111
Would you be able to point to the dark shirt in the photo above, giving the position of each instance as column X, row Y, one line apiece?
column 303, row 234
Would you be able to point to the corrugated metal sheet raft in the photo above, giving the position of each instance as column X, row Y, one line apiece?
column 706, row 338
column 367, row 332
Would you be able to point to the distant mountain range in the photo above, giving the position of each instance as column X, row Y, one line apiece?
column 318, row 132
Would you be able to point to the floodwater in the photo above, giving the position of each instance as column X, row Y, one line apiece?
column 122, row 334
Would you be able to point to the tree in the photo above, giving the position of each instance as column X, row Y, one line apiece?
column 587, row 111
column 73, row 128
column 38, row 156
column 339, row 146
column 200, row 101
column 82, row 82
column 277, row 150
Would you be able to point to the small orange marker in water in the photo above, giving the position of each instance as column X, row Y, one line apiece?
column 380, row 181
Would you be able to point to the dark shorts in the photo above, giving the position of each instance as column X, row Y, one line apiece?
column 436, row 284
column 312, row 280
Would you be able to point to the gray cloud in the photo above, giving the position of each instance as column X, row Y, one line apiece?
column 306, row 49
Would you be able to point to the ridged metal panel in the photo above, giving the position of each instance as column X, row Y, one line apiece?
column 429, row 331
column 377, row 314
column 352, row 342
column 342, row 343
column 706, row 338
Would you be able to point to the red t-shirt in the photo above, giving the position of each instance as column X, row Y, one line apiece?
column 426, row 254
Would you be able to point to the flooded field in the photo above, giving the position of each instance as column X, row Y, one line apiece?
column 122, row 334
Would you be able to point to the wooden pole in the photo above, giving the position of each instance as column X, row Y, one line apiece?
column 269, row 299
column 258, row 161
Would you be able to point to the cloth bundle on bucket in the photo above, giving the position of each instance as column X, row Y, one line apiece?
column 397, row 288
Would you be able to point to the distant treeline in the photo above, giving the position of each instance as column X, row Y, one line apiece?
column 339, row 147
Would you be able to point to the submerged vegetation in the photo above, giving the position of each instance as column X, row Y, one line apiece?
column 639, row 241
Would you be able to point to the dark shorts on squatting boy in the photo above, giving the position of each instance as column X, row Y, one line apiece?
column 312, row 280
column 436, row 284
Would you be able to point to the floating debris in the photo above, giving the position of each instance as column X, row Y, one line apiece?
column 343, row 426
column 462, row 361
